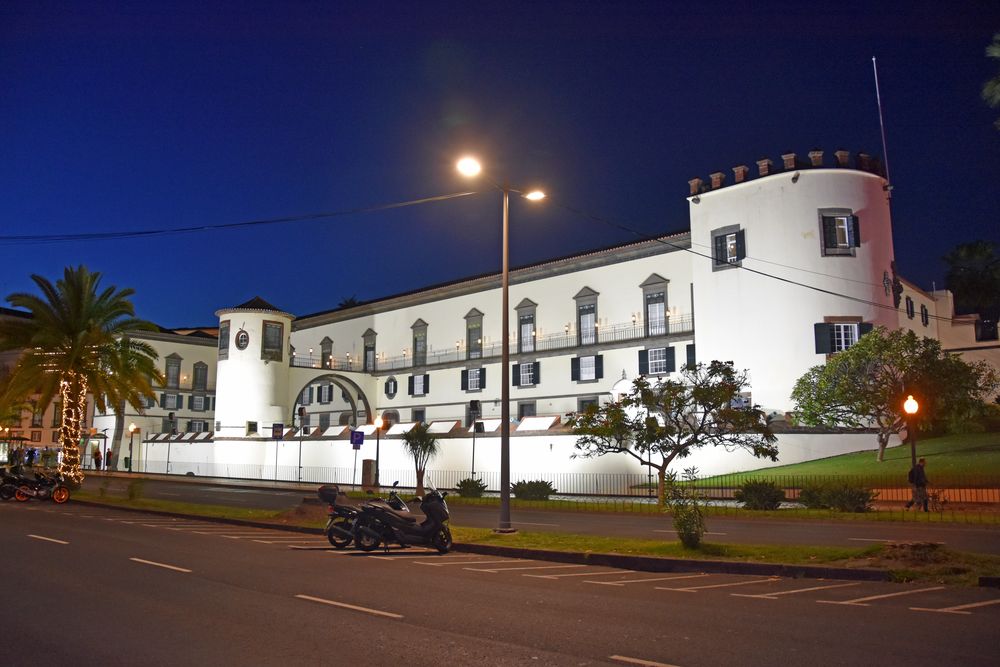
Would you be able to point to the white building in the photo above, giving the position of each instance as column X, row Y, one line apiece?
column 774, row 273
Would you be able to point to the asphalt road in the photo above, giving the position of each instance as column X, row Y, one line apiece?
column 96, row 586
column 978, row 538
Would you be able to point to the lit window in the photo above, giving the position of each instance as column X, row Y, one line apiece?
column 656, row 323
column 586, row 323
column 474, row 379
column 271, row 342
column 526, row 339
column 527, row 374
column 658, row 360
column 843, row 336
column 841, row 233
column 588, row 368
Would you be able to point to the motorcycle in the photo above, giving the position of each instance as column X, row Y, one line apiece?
column 377, row 523
column 42, row 487
column 9, row 481
column 341, row 518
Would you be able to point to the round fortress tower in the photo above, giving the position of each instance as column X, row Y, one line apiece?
column 252, row 376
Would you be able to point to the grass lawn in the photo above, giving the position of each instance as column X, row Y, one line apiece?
column 970, row 459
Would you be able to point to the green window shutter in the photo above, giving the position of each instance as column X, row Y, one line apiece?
column 643, row 362
column 537, row 375
column 465, row 380
column 482, row 378
column 822, row 332
column 409, row 385
column 671, row 362
column 864, row 328
column 599, row 366
column 427, row 383
column 720, row 249
column 741, row 245
column 574, row 369
column 855, row 227
column 690, row 356
column 829, row 232
column 515, row 376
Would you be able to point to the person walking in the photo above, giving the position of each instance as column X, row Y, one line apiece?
column 918, row 483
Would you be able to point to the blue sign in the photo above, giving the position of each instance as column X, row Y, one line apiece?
column 277, row 431
column 357, row 438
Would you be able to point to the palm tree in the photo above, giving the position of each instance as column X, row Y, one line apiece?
column 76, row 343
column 422, row 446
column 991, row 89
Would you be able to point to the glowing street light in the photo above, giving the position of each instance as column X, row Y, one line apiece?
column 132, row 428
column 911, row 407
column 471, row 167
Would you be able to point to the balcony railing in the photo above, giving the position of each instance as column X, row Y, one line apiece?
column 605, row 335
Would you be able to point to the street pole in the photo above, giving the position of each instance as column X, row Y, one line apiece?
column 378, row 433
column 474, row 449
column 131, row 437
column 504, row 523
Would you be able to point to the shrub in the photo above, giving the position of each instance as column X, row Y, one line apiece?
column 471, row 488
column 534, row 490
column 757, row 494
column 839, row 496
column 685, row 503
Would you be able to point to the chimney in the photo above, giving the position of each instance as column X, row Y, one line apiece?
column 717, row 179
column 864, row 162
column 842, row 157
column 789, row 159
column 816, row 158
column 740, row 173
column 695, row 184
column 764, row 165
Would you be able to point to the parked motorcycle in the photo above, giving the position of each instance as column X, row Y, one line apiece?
column 378, row 523
column 340, row 522
column 9, row 481
column 41, row 487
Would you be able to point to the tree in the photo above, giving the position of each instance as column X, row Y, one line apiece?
column 974, row 278
column 76, row 343
column 658, row 423
column 991, row 89
column 865, row 385
column 422, row 446
column 349, row 302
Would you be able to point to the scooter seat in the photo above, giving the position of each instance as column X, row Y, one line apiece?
column 405, row 516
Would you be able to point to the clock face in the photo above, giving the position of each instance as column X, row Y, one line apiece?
column 242, row 339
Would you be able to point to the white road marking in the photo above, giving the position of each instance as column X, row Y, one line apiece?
column 639, row 661
column 530, row 567
column 774, row 596
column 639, row 581
column 674, row 531
column 322, row 545
column 867, row 539
column 47, row 539
column 695, row 589
column 467, row 562
column 344, row 605
column 577, row 574
column 960, row 609
column 425, row 554
column 528, row 523
column 860, row 602
column 163, row 565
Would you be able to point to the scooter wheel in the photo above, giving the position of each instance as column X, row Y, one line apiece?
column 60, row 494
column 337, row 540
column 442, row 541
column 20, row 495
column 366, row 542
column 6, row 492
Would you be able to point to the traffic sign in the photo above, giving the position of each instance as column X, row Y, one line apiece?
column 357, row 438
column 277, row 431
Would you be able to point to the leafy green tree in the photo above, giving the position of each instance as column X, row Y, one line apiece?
column 865, row 385
column 76, row 343
column 658, row 423
column 422, row 446
column 974, row 278
column 991, row 89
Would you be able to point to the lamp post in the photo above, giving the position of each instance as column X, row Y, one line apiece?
column 132, row 428
column 378, row 431
column 910, row 407
column 470, row 167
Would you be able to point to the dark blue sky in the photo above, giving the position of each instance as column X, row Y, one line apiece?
column 148, row 116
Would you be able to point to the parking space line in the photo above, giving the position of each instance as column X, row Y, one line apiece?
column 639, row 581
column 47, row 539
column 163, row 565
column 529, row 567
column 860, row 602
column 322, row 546
column 408, row 556
column 468, row 562
column 639, row 661
column 578, row 574
column 695, row 589
column 867, row 539
column 960, row 609
column 774, row 596
column 674, row 531
column 344, row 605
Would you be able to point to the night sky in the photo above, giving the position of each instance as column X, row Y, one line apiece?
column 122, row 117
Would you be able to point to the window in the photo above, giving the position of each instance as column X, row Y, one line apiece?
column 36, row 415
column 986, row 330
column 657, row 361
column 841, row 232
column 391, row 387
column 909, row 308
column 198, row 403
column 197, row 426
column 587, row 369
column 251, row 428
column 168, row 425
column 526, row 375
column 271, row 343
column 55, row 436
column 326, row 353
column 369, row 358
column 526, row 325
column 170, row 401
column 324, row 420
column 525, row 409
column 837, row 336
column 389, row 417
column 586, row 402
column 200, row 377
column 474, row 379
column 419, row 343
column 474, row 334
column 224, row 339
column 173, row 371
column 419, row 415
column 344, row 419
column 656, row 322
column 586, row 316
column 729, row 247
column 306, row 397
column 324, row 393
column 419, row 385
column 57, row 414
column 925, row 316
column 36, row 436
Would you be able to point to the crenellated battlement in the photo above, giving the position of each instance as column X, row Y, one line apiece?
column 790, row 162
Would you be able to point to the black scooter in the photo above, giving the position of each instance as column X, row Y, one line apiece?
column 341, row 518
column 380, row 524
column 42, row 487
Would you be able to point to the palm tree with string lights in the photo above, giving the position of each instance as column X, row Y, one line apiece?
column 76, row 343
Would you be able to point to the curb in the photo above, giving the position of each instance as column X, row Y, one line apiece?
column 637, row 563
column 991, row 582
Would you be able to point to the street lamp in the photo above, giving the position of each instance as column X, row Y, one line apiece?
column 470, row 167
column 378, row 431
column 132, row 428
column 910, row 407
